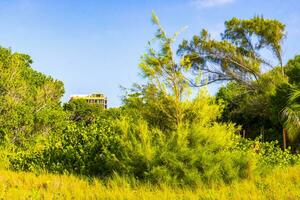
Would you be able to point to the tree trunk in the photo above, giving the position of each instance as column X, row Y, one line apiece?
column 284, row 133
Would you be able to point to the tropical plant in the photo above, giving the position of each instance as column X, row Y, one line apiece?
column 291, row 115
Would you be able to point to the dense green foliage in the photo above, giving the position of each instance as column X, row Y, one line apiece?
column 264, row 111
column 29, row 100
column 81, row 110
column 254, row 98
column 202, row 152
column 291, row 112
column 165, row 132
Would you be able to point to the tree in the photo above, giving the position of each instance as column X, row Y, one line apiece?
column 256, row 111
column 292, row 70
column 291, row 111
column 291, row 115
column 29, row 100
column 238, row 56
column 81, row 110
column 269, row 109
column 166, row 87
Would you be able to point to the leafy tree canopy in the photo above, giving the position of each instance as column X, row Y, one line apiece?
column 29, row 100
column 81, row 110
column 239, row 55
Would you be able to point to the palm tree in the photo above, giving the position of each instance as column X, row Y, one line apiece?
column 291, row 115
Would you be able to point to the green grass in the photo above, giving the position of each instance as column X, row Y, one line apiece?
column 280, row 184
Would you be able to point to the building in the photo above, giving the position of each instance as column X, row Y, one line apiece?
column 97, row 98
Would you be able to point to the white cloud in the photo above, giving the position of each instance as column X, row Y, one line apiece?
column 210, row 3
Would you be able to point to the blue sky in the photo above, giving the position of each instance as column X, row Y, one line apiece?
column 95, row 45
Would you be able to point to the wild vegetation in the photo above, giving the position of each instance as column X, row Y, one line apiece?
column 281, row 184
column 170, row 138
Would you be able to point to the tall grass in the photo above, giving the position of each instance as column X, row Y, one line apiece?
column 283, row 183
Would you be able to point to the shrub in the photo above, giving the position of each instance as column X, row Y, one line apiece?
column 269, row 154
column 128, row 147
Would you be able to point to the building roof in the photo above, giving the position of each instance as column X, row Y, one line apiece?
column 89, row 96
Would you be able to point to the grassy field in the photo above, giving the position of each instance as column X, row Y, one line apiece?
column 281, row 184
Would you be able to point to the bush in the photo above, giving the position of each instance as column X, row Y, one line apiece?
column 128, row 147
column 269, row 154
column 121, row 141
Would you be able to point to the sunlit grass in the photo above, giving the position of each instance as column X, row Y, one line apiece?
column 281, row 184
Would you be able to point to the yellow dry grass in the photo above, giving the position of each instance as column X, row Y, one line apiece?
column 281, row 184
